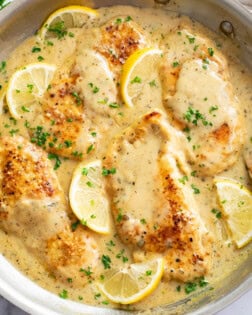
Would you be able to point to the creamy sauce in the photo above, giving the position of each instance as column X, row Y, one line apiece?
column 157, row 25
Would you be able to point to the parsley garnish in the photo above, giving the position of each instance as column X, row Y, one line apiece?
column 90, row 148
column 210, row 51
column 175, row 64
column 77, row 98
column 58, row 29
column 75, row 225
column 195, row 189
column 217, row 213
column 36, row 49
column 63, row 294
column 136, row 80
column 106, row 261
column 106, row 172
column 94, row 88
column 194, row 116
column 52, row 156
column 3, row 66
column 39, row 136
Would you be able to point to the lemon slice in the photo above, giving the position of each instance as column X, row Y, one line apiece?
column 88, row 198
column 26, row 86
column 59, row 21
column 140, row 76
column 132, row 283
column 236, row 202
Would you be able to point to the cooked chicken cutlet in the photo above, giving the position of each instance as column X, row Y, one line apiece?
column 120, row 37
column 200, row 101
column 153, row 211
column 33, row 208
column 81, row 100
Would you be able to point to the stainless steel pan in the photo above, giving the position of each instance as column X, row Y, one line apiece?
column 21, row 19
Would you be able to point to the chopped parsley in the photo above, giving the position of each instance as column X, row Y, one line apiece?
column 25, row 109
column 119, row 216
column 68, row 143
column 194, row 116
column 191, row 39
column 40, row 58
column 58, row 29
column 153, row 83
column 120, row 255
column 53, row 156
column 195, row 189
column 77, row 154
column 90, row 148
column 143, row 221
column 106, row 172
column 39, row 136
column 63, row 294
column 148, row 272
column 36, row 49
column 75, row 225
column 128, row 18
column 106, row 261
column 213, row 109
column 217, row 213
column 175, row 64
column 210, row 51
column 190, row 287
column 183, row 180
column 3, row 66
column 84, row 171
column 87, row 271
column 114, row 105
column 136, row 80
column 13, row 132
column 90, row 184
column 94, row 88
column 77, row 98
column 93, row 134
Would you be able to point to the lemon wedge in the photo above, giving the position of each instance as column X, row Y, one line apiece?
column 26, row 86
column 132, row 283
column 88, row 198
column 140, row 76
column 236, row 203
column 74, row 16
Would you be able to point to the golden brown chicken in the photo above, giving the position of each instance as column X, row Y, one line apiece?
column 200, row 100
column 33, row 208
column 153, row 210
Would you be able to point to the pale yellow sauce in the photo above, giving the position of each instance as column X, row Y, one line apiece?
column 157, row 24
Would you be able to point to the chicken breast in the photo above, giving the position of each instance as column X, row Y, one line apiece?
column 200, row 101
column 33, row 208
column 153, row 210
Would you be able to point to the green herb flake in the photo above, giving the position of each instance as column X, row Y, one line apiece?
column 97, row 296
column 195, row 189
column 136, row 80
column 25, row 109
column 63, row 294
column 148, row 272
column 40, row 58
column 175, row 64
column 74, row 225
column 217, row 213
column 77, row 98
column 114, row 105
column 128, row 18
column 90, row 148
column 58, row 29
column 84, row 171
column 153, row 83
column 210, row 51
column 183, row 180
column 3, row 66
column 68, row 143
column 52, row 156
column 87, row 271
column 94, row 134
column 190, row 287
column 213, row 109
column 89, row 184
column 36, row 49
column 178, row 288
column 106, row 172
column 106, row 261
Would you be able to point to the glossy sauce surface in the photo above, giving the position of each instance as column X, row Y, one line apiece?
column 159, row 28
